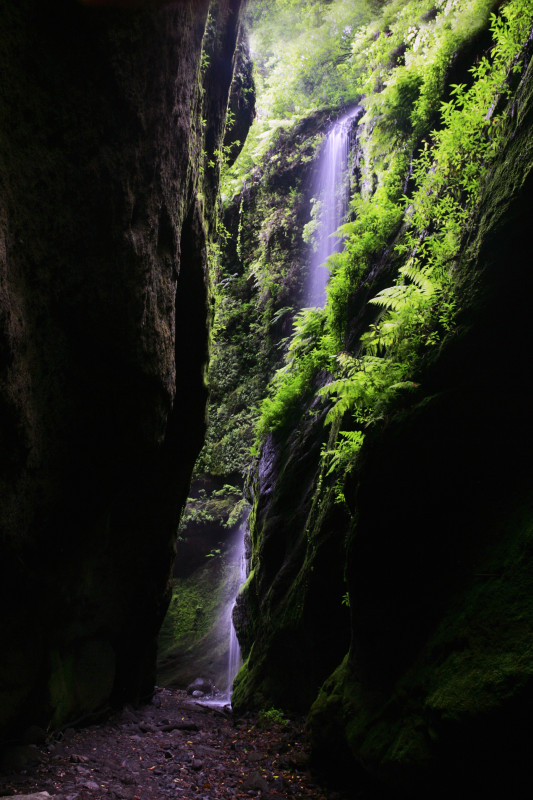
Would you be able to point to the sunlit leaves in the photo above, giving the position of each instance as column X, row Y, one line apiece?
column 403, row 105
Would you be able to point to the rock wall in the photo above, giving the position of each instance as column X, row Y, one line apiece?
column 104, row 310
column 261, row 280
column 435, row 692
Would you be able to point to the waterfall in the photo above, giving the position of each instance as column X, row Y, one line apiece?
column 234, row 650
column 239, row 568
column 332, row 193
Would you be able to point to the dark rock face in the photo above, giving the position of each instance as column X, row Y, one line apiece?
column 291, row 623
column 103, row 340
column 242, row 102
column 438, row 685
column 435, row 693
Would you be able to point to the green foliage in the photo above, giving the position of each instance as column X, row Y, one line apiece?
column 403, row 82
column 305, row 357
column 190, row 613
column 301, row 51
column 448, row 175
column 377, row 219
column 270, row 717
column 223, row 507
column 257, row 269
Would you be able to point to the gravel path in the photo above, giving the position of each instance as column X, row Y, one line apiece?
column 173, row 748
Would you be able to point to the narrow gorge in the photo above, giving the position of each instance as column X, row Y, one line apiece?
column 265, row 398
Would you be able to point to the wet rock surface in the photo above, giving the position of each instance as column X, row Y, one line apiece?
column 171, row 748
column 201, row 686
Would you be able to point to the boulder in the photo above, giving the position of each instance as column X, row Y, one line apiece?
column 202, row 686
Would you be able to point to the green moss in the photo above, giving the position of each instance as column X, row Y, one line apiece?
column 194, row 606
column 271, row 717
column 245, row 687
column 474, row 670
column 80, row 682
column 61, row 687
column 485, row 644
column 221, row 506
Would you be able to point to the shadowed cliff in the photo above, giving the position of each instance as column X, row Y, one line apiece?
column 104, row 314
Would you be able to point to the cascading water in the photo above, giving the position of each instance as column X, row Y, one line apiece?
column 332, row 193
column 226, row 637
column 238, row 564
column 234, row 651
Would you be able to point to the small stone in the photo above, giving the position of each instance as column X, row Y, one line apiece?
column 299, row 760
column 254, row 757
column 197, row 763
column 76, row 759
column 34, row 796
column 198, row 693
column 200, row 685
column 146, row 727
column 91, row 785
column 83, row 771
column 187, row 726
column 256, row 781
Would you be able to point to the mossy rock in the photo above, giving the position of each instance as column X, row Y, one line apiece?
column 436, row 695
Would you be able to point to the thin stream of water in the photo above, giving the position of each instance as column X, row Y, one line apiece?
column 332, row 192
column 238, row 564
column 234, row 652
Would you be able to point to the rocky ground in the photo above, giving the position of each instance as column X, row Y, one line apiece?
column 173, row 748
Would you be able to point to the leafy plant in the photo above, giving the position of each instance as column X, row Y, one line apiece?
column 270, row 717
column 448, row 172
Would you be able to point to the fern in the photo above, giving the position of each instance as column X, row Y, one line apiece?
column 420, row 278
column 448, row 175
column 394, row 298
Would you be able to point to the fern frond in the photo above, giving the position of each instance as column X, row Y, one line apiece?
column 381, row 336
column 408, row 385
column 394, row 298
column 346, row 229
column 347, row 363
column 419, row 278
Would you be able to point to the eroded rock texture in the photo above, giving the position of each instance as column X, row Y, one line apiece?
column 435, row 694
column 103, row 336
